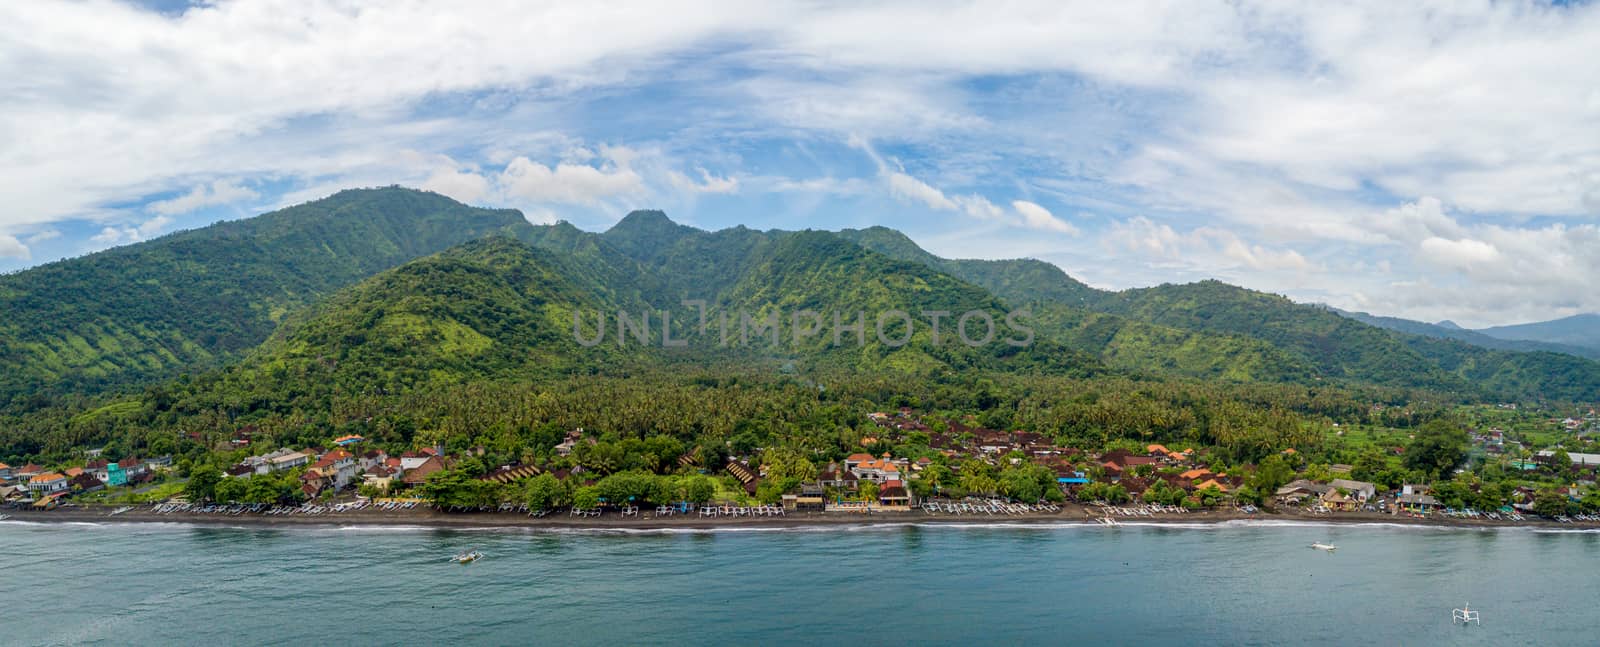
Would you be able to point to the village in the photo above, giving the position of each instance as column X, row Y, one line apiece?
column 952, row 471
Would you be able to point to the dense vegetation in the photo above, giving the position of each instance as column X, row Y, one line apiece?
column 196, row 299
column 475, row 345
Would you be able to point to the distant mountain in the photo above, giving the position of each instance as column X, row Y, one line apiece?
column 1018, row 281
column 196, row 299
column 1448, row 330
column 1345, row 349
column 378, row 290
column 1577, row 330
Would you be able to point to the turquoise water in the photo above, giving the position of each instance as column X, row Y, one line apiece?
column 1223, row 585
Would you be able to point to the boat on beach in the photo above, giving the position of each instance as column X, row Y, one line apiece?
column 468, row 557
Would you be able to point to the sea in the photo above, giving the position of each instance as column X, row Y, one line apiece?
column 1237, row 583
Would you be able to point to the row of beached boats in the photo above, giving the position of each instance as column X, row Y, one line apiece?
column 1146, row 510
column 742, row 511
column 989, row 508
column 309, row 509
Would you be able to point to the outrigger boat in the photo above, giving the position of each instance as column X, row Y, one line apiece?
column 1464, row 615
column 1108, row 521
column 468, row 557
column 1327, row 547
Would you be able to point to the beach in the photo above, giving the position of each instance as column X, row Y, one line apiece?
column 427, row 517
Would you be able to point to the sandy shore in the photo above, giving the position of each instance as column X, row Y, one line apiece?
column 1070, row 514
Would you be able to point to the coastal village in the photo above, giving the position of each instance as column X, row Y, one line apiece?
column 962, row 469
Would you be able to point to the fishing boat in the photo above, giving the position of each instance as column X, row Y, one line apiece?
column 1464, row 615
column 120, row 510
column 1108, row 521
column 4, row 517
column 1327, row 547
column 468, row 557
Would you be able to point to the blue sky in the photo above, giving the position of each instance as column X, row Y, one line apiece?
column 1428, row 160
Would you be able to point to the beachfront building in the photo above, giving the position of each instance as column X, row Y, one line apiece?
column 47, row 484
column 338, row 467
column 894, row 495
column 1361, row 491
column 1299, row 490
column 5, row 472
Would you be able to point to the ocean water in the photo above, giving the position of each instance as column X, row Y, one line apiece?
column 1234, row 584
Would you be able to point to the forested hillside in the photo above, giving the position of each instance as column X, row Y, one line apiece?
column 196, row 299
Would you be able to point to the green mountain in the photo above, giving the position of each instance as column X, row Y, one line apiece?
column 199, row 298
column 1344, row 349
column 1448, row 330
column 1578, row 330
column 1018, row 281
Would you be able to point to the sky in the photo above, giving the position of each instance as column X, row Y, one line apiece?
column 1430, row 160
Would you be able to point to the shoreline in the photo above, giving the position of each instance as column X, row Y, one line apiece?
column 1071, row 515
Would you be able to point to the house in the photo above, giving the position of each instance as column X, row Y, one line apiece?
column 46, row 484
column 1577, row 459
column 100, row 468
column 419, row 474
column 160, row 462
column 1301, row 489
column 810, row 499
column 339, row 466
column 27, row 472
column 116, row 475
column 893, row 494
column 372, row 458
column 378, row 476
column 85, row 482
column 278, row 461
column 1361, row 491
column 511, row 473
column 412, row 460
column 1336, row 499
column 5, row 472
column 1220, row 485
column 1418, row 502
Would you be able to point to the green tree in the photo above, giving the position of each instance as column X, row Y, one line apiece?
column 202, row 485
column 586, row 498
column 543, row 492
column 1438, row 447
column 700, row 490
column 1273, row 473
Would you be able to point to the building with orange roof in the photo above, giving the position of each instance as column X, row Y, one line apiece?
column 1212, row 483
column 47, row 483
column 1158, row 449
column 1197, row 473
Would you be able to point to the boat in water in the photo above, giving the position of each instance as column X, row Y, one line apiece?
column 468, row 557
column 1327, row 547
column 1464, row 616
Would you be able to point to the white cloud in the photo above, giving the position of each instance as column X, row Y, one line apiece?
column 43, row 235
column 565, row 183
column 1205, row 251
column 220, row 192
column 911, row 189
column 708, row 183
column 10, row 247
column 1290, row 128
column 462, row 185
column 1037, row 217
